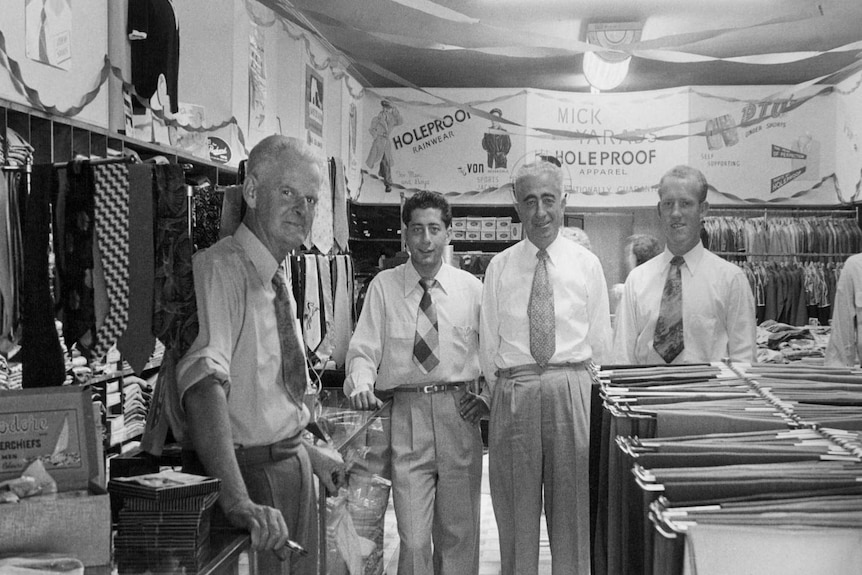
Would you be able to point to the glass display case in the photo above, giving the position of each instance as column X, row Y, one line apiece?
column 352, row 521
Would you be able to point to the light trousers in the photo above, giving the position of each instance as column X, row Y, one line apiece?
column 539, row 449
column 436, row 484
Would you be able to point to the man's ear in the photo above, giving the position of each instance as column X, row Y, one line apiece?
column 249, row 191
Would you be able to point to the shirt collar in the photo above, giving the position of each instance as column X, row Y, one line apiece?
column 260, row 257
column 692, row 257
column 556, row 249
column 411, row 278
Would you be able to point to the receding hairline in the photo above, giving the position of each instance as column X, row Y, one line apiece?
column 278, row 149
column 535, row 170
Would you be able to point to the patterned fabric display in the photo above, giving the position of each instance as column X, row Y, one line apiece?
column 668, row 337
column 293, row 371
column 112, row 233
column 426, row 342
column 540, row 310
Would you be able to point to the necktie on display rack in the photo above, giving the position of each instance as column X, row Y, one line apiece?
column 292, row 355
column 426, row 342
column 668, row 337
column 112, row 232
column 540, row 311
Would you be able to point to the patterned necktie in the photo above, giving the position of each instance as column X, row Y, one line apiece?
column 426, row 342
column 668, row 339
column 540, row 310
column 293, row 372
column 112, row 233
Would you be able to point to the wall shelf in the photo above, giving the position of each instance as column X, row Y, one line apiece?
column 60, row 139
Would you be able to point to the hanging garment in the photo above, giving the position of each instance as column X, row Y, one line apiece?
column 173, row 290
column 77, row 297
column 136, row 344
column 112, row 231
column 42, row 356
column 154, row 33
column 207, row 216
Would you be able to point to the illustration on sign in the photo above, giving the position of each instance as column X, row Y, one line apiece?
column 381, row 148
column 496, row 142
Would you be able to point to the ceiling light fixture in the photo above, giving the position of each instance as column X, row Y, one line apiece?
column 606, row 69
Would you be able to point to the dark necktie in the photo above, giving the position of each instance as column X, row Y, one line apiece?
column 293, row 372
column 540, row 311
column 427, row 341
column 668, row 338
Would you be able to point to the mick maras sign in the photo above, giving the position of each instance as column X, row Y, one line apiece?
column 415, row 144
column 613, row 148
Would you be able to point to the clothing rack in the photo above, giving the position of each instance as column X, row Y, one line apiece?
column 784, row 211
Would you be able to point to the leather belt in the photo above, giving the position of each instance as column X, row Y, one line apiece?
column 431, row 388
column 278, row 451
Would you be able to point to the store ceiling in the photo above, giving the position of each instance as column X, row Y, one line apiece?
column 539, row 43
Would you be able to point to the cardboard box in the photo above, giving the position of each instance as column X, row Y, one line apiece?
column 55, row 425
column 504, row 235
column 459, row 224
column 474, row 224
column 74, row 523
column 503, row 223
column 515, row 230
column 459, row 235
column 473, row 236
column 489, row 235
column 489, row 224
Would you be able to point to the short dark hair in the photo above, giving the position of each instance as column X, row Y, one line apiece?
column 644, row 247
column 687, row 173
column 426, row 199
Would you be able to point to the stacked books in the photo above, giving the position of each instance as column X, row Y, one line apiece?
column 164, row 521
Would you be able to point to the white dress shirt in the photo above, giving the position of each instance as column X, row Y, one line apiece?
column 717, row 310
column 381, row 349
column 582, row 319
column 238, row 341
column 845, row 345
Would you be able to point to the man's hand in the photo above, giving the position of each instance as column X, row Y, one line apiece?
column 266, row 525
column 365, row 400
column 473, row 408
column 329, row 466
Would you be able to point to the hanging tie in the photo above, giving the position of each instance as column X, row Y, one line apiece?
column 427, row 341
column 540, row 310
column 112, row 232
column 668, row 338
column 293, row 372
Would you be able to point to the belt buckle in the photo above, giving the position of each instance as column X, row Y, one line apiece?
column 428, row 388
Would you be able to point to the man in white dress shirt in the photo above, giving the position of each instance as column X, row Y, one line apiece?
column 544, row 317
column 717, row 312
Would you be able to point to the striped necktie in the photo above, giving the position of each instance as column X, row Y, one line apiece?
column 426, row 342
column 668, row 338
column 112, row 234
column 540, row 310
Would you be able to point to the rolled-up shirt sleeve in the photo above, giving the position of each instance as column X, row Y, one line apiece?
column 366, row 346
column 220, row 307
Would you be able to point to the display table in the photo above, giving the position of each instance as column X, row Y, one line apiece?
column 226, row 547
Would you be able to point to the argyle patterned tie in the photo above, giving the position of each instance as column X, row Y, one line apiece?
column 293, row 372
column 668, row 339
column 426, row 343
column 112, row 233
column 540, row 310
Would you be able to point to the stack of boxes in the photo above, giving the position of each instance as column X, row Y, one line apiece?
column 485, row 229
